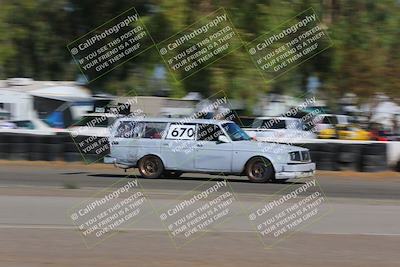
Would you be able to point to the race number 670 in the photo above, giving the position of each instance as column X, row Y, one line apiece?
column 181, row 132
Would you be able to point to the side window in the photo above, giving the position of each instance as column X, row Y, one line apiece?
column 129, row 129
column 154, row 130
column 208, row 132
column 178, row 131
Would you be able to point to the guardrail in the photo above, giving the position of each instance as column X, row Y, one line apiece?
column 333, row 155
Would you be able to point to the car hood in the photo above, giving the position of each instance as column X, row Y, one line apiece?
column 265, row 147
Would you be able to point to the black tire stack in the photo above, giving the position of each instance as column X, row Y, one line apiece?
column 374, row 158
column 325, row 156
column 18, row 147
column 37, row 152
column 84, row 148
column 71, row 151
column 349, row 157
column 356, row 157
column 397, row 166
column 46, row 148
column 4, row 146
column 99, row 151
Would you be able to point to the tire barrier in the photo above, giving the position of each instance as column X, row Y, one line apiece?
column 47, row 148
column 331, row 156
column 373, row 158
column 324, row 155
column 91, row 148
column 367, row 157
column 37, row 147
column 349, row 157
column 71, row 151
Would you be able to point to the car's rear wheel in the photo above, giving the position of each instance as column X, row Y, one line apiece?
column 172, row 174
column 151, row 167
column 260, row 170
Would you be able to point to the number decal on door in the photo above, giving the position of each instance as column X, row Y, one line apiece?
column 181, row 132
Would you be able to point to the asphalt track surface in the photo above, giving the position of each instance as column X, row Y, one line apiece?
column 360, row 225
column 351, row 185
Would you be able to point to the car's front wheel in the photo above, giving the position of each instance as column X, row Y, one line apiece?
column 260, row 170
column 151, row 167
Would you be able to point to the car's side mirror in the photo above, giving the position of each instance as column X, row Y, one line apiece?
column 222, row 139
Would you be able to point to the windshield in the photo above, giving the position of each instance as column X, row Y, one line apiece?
column 235, row 132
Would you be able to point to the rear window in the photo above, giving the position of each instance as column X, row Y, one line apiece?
column 129, row 129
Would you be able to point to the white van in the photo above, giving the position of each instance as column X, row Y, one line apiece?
column 169, row 147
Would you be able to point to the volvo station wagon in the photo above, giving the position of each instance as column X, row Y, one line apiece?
column 170, row 147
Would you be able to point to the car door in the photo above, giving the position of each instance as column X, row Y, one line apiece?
column 124, row 141
column 178, row 146
column 210, row 153
column 151, row 139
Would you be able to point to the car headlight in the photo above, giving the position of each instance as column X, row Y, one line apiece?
column 295, row 156
column 305, row 156
column 300, row 156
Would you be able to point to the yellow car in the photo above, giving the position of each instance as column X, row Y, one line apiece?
column 345, row 132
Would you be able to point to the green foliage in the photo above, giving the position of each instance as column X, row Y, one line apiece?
column 364, row 59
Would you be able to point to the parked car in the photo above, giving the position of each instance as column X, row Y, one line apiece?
column 381, row 133
column 278, row 129
column 324, row 121
column 345, row 132
column 169, row 147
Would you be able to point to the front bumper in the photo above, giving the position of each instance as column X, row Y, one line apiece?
column 295, row 171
